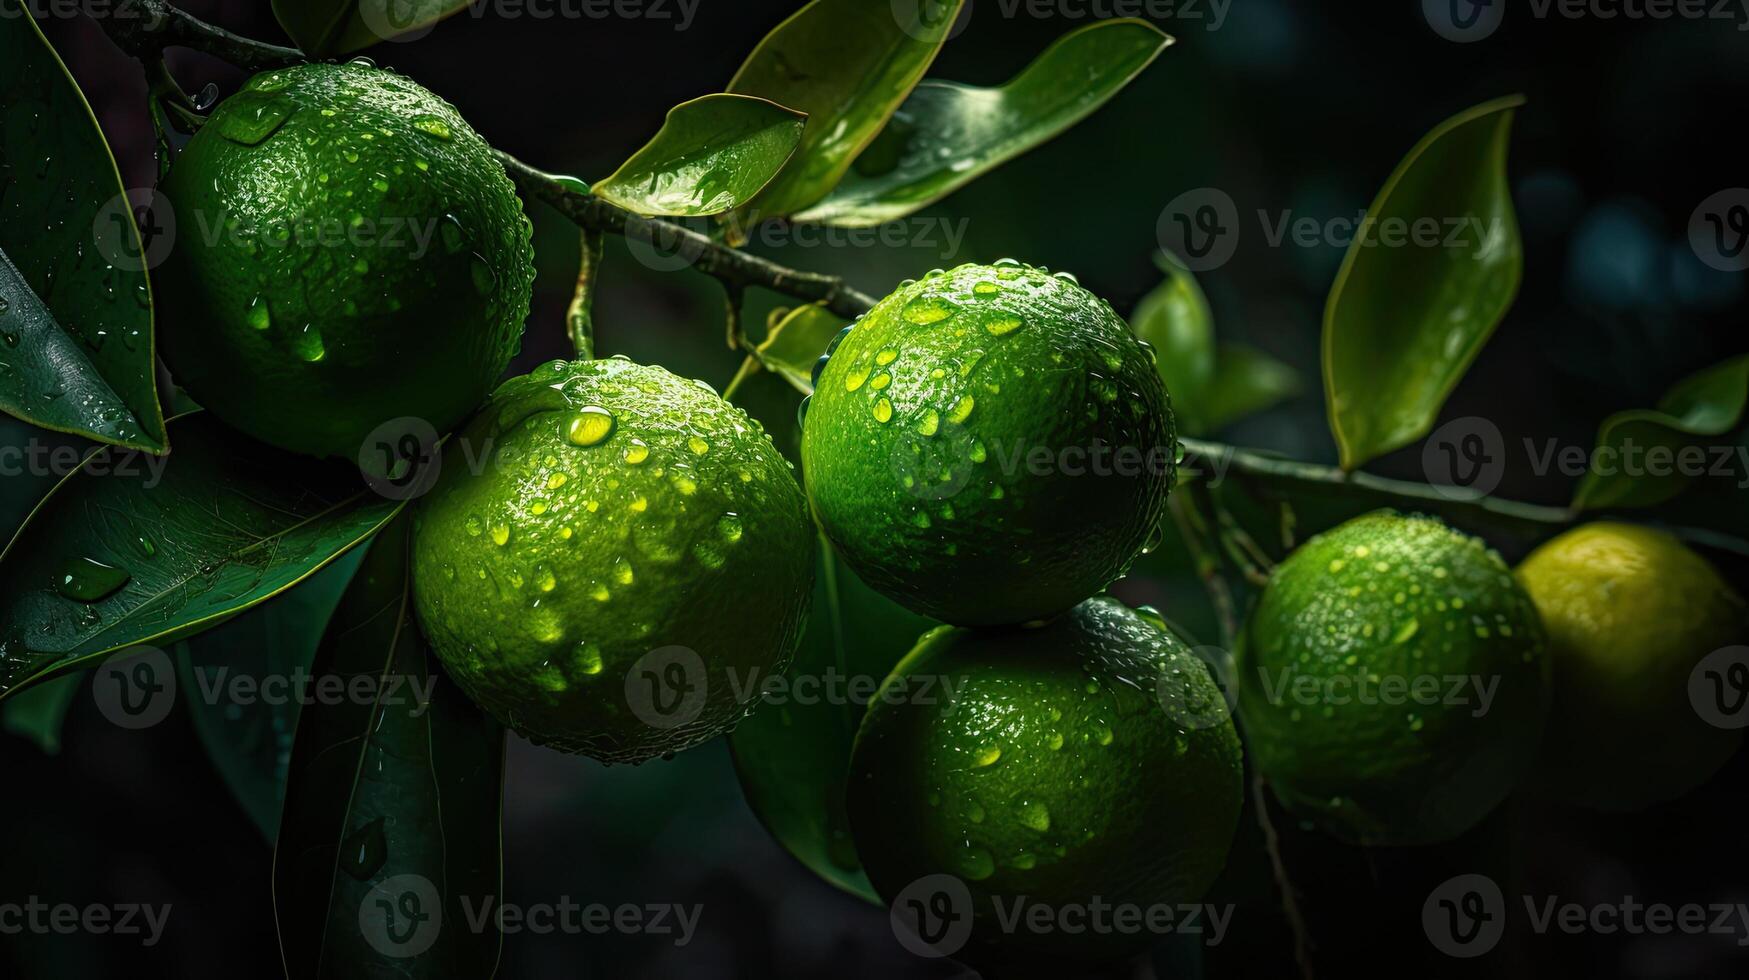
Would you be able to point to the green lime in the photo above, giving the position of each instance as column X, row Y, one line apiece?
column 614, row 559
column 1393, row 681
column 348, row 252
column 989, row 445
column 1054, row 775
column 1631, row 612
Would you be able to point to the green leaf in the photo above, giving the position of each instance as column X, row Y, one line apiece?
column 796, row 342
column 713, row 154
column 132, row 549
column 75, row 307
column 793, row 756
column 37, row 714
column 1703, row 406
column 249, row 740
column 392, row 830
column 325, row 28
column 947, row 135
column 1247, row 381
column 1409, row 313
column 848, row 64
column 1175, row 318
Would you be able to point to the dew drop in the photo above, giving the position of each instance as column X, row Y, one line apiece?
column 589, row 427
column 89, row 580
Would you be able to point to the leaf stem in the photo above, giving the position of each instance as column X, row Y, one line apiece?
column 580, row 317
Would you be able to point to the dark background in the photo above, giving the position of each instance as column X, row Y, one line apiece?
column 1287, row 106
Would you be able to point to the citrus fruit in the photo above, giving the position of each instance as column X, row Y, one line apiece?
column 348, row 252
column 1089, row 763
column 1630, row 612
column 613, row 559
column 1393, row 680
column 989, row 445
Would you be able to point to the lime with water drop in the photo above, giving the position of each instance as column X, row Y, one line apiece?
column 989, row 445
column 348, row 252
column 1052, row 770
column 1393, row 681
column 614, row 561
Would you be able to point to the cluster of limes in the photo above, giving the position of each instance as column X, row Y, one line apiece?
column 607, row 544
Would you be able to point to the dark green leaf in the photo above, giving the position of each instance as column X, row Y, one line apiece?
column 793, row 756
column 325, row 28
column 1411, row 310
column 946, row 135
column 1702, row 406
column 1176, row 320
column 796, row 342
column 133, row 549
column 1247, row 381
column 848, row 64
column 75, row 308
column 249, row 740
column 37, row 713
column 712, row 155
column 389, row 860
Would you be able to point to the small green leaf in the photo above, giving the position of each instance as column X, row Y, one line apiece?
column 392, row 834
column 75, row 307
column 713, row 154
column 132, row 549
column 326, row 28
column 1247, row 381
column 37, row 714
column 1703, row 406
column 848, row 64
column 947, row 135
column 796, row 342
column 1423, row 286
column 1175, row 318
column 249, row 740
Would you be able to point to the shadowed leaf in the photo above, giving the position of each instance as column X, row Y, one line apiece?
column 712, row 155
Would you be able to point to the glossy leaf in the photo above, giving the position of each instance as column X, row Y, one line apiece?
column 75, row 307
column 1247, row 381
column 713, row 154
column 947, row 135
column 848, row 64
column 796, row 342
column 249, row 740
column 793, row 756
column 37, row 714
column 1702, row 407
column 389, row 860
column 1410, row 311
column 1175, row 319
column 325, row 28
column 133, row 549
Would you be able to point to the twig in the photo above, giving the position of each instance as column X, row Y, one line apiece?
column 147, row 27
column 1290, row 899
column 1195, row 533
column 580, row 316
column 733, row 297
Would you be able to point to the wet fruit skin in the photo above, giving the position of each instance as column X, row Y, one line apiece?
column 1054, row 772
column 1630, row 612
column 348, row 252
column 989, row 445
column 615, row 510
column 1387, row 599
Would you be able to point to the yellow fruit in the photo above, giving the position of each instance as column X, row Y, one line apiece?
column 613, row 560
column 1630, row 612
